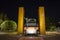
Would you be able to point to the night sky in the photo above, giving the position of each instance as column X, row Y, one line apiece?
column 52, row 8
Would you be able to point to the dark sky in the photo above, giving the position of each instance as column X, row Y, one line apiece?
column 52, row 8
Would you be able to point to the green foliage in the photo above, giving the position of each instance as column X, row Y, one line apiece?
column 9, row 25
column 53, row 28
column 3, row 16
column 50, row 25
column 6, row 24
column 1, row 21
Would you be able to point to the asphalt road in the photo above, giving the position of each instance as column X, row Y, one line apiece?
column 18, row 37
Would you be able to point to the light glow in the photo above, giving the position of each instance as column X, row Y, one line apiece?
column 31, row 30
column 20, row 20
column 42, row 20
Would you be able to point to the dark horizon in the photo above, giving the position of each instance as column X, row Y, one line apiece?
column 52, row 8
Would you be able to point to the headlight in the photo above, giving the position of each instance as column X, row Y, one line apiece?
column 31, row 31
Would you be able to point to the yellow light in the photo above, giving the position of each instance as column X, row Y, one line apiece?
column 20, row 20
column 42, row 20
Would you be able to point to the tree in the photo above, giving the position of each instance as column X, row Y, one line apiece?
column 9, row 25
column 49, row 23
column 5, row 17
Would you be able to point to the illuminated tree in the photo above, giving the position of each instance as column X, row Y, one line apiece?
column 9, row 25
column 3, row 17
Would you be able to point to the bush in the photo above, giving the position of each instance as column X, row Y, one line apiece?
column 53, row 28
column 9, row 25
